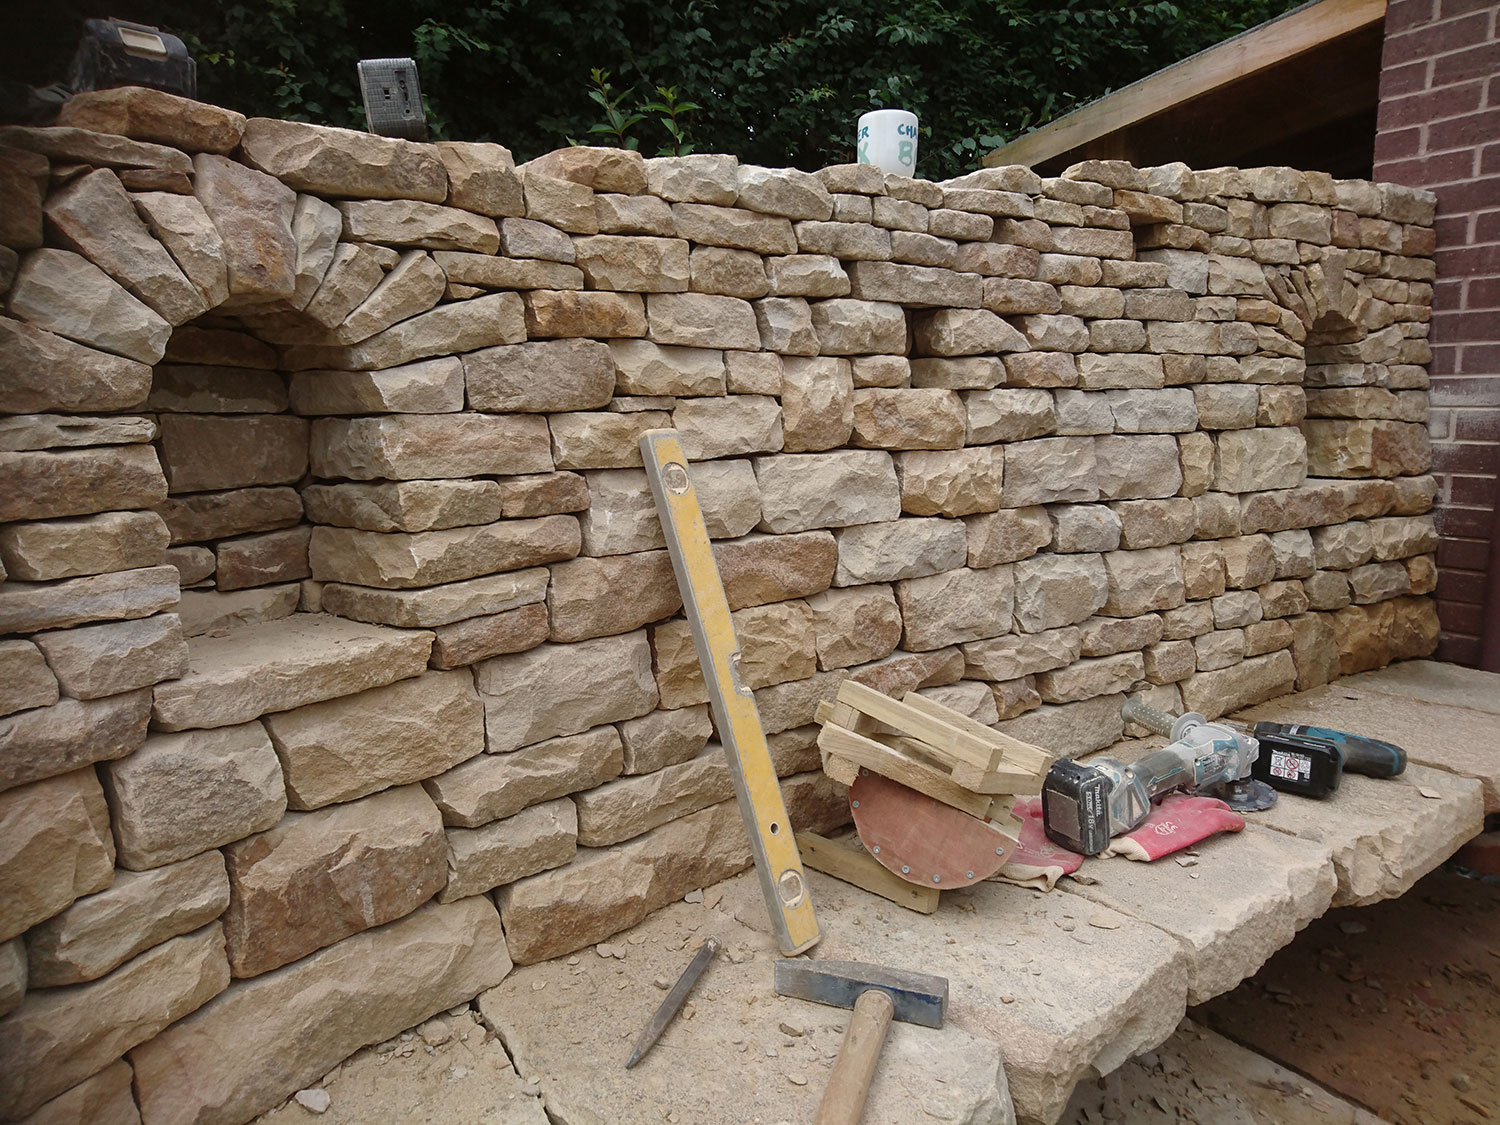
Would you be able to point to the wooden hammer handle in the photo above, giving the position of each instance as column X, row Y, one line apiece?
column 844, row 1099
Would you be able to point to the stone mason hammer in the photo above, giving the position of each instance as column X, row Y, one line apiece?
column 877, row 994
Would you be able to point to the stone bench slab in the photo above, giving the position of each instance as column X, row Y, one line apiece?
column 728, row 1055
column 278, row 665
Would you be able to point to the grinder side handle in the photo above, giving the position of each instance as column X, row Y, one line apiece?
column 849, row 1084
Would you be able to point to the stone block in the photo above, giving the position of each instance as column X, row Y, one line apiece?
column 343, row 162
column 1366, row 448
column 664, row 738
column 137, row 911
column 181, row 794
column 1225, row 690
column 53, row 739
column 146, row 114
column 804, row 275
column 1070, row 730
column 1084, row 528
column 105, row 660
column 25, row 680
column 111, row 541
column 28, row 607
column 1258, row 459
column 964, row 373
column 557, row 689
column 908, row 418
column 733, row 273
column 346, row 748
column 1082, row 412
column 1142, row 581
column 218, row 515
column 460, row 643
column 1058, row 590
column 62, row 292
column 253, row 214
column 800, row 492
column 210, row 612
column 641, row 367
column 1137, row 467
column 434, row 386
column 1103, row 372
column 60, row 1037
column 535, row 839
column 285, row 664
column 1105, row 636
column 1048, row 470
column 904, row 548
column 402, row 560
column 959, row 332
column 287, row 1034
column 411, row 506
column 728, row 427
column 950, row 483
column 709, row 225
column 817, row 403
column 620, row 810
column 259, row 560
column 56, row 848
column 494, row 786
column 420, row 446
column 1087, row 679
column 955, row 606
column 759, row 568
column 597, row 597
column 43, row 371
column 365, row 863
column 104, row 1097
column 1155, row 523
column 776, row 643
column 848, row 326
column 44, row 484
column 854, row 625
column 1007, row 535
column 188, row 389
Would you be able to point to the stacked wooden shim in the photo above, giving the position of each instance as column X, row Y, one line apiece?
column 932, row 749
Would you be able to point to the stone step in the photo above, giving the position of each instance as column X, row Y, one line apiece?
column 277, row 665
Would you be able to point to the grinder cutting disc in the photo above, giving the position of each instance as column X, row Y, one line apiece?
column 923, row 840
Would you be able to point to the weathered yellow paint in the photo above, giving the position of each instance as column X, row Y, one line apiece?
column 777, row 860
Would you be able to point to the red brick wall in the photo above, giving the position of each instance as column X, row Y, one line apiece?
column 1439, row 128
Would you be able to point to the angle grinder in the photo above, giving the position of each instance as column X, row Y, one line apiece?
column 1084, row 805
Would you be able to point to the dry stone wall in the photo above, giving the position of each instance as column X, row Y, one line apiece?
column 340, row 656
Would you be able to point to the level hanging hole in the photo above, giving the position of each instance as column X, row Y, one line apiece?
column 790, row 887
column 775, row 829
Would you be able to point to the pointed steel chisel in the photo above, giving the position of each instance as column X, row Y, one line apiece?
column 706, row 953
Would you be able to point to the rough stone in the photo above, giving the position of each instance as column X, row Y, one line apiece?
column 366, row 863
column 1049, row 470
column 282, row 665
column 145, row 114
column 1084, row 528
column 94, row 215
column 854, row 625
column 1008, row 415
column 563, row 689
column 954, row 606
column 473, row 639
column 603, row 440
column 66, row 548
column 125, row 594
column 419, row 505
column 316, row 226
column 481, row 177
column 253, row 214
column 402, row 560
column 457, row 326
column 664, row 738
column 105, row 660
column 619, row 810
column 343, row 162
column 105, row 1097
column 64, row 735
column 42, row 371
column 1142, row 581
column 494, row 786
column 595, row 597
column 785, row 325
column 733, row 228
column 182, row 794
column 1057, row 590
column 817, row 403
column 957, row 483
column 1219, row 692
column 776, row 644
column 1070, row 730
column 641, row 367
column 137, row 911
column 26, row 679
column 217, row 515
column 1007, row 535
column 908, row 418
column 729, row 427
column 62, row 292
column 56, row 848
column 58, row 1038
column 183, row 389
column 535, row 839
column 210, row 612
column 288, row 1033
column 812, row 490
column 563, row 203
column 420, row 447
column 1259, row 459
column 204, row 452
column 903, row 548
column 760, row 568
column 846, row 326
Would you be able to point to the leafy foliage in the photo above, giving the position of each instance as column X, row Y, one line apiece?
column 778, row 82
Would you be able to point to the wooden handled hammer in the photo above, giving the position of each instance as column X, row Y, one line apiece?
column 877, row 994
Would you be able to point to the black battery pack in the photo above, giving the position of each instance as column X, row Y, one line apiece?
column 1075, row 807
column 1298, row 763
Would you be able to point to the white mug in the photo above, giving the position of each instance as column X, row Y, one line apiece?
column 887, row 138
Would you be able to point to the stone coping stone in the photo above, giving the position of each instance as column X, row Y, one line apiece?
column 743, row 1053
column 283, row 664
column 1065, row 987
column 1434, row 682
column 1245, row 895
column 1457, row 738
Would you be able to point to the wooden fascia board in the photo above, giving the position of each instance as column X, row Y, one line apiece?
column 1288, row 36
